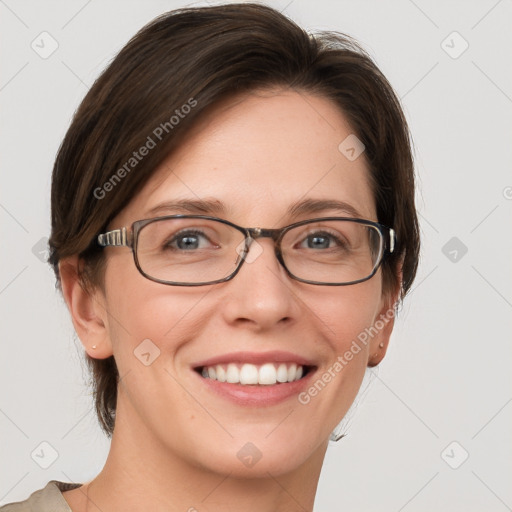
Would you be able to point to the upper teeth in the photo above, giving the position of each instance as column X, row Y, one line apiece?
column 266, row 374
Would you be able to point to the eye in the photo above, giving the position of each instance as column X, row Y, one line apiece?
column 188, row 240
column 321, row 240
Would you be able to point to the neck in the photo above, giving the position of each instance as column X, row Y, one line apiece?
column 141, row 474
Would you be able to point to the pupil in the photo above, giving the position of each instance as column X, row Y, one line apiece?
column 187, row 242
column 318, row 241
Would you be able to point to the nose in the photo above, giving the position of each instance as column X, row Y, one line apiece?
column 261, row 295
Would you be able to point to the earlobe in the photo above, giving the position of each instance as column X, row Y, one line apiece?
column 379, row 345
column 87, row 310
column 384, row 323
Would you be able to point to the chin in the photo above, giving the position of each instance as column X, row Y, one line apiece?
column 255, row 455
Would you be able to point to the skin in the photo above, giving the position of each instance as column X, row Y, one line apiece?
column 175, row 442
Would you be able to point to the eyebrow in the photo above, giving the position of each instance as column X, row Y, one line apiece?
column 193, row 206
column 216, row 207
column 309, row 206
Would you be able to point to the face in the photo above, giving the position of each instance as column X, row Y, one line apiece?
column 257, row 156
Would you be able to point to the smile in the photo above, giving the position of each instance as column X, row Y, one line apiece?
column 266, row 374
column 256, row 379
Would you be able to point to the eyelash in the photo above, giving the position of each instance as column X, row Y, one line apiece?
column 195, row 232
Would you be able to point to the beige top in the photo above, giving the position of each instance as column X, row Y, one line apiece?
column 47, row 499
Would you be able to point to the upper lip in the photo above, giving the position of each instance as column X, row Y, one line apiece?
column 275, row 356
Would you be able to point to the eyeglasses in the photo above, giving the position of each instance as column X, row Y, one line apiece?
column 195, row 250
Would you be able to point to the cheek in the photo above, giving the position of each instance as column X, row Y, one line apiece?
column 149, row 324
column 140, row 310
column 347, row 312
column 344, row 316
column 151, row 311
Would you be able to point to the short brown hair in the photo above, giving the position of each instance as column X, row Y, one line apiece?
column 205, row 55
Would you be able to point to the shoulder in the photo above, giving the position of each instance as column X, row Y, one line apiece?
column 47, row 499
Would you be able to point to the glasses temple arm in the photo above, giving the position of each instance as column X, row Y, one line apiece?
column 392, row 240
column 117, row 237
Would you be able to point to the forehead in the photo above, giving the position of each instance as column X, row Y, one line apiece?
column 259, row 154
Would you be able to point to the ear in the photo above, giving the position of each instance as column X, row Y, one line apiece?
column 87, row 309
column 384, row 322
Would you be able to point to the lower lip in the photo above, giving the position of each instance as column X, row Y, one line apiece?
column 257, row 395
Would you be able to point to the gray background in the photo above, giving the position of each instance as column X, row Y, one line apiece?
column 447, row 376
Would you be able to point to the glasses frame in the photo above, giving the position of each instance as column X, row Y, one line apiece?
column 123, row 238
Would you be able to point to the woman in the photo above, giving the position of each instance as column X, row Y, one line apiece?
column 233, row 224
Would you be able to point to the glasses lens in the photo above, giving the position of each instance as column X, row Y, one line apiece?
column 189, row 251
column 332, row 252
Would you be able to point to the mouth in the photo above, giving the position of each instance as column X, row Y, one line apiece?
column 256, row 379
column 247, row 374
